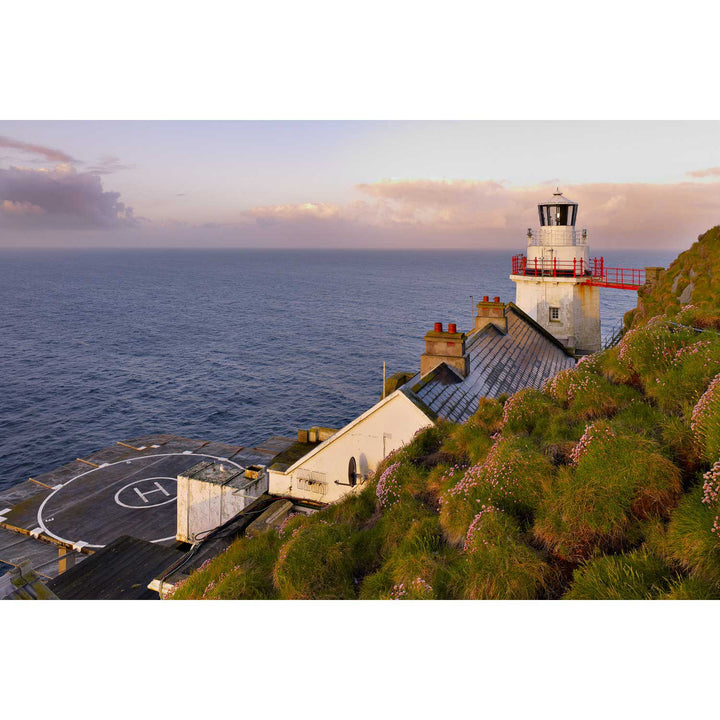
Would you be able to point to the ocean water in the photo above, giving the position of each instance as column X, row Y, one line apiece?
column 235, row 346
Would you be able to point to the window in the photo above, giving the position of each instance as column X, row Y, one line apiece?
column 554, row 314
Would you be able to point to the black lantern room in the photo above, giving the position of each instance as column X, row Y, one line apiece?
column 558, row 211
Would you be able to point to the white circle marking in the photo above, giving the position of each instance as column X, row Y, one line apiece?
column 41, row 524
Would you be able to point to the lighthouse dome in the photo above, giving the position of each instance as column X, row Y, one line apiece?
column 559, row 210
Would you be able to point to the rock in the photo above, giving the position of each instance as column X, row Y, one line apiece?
column 686, row 294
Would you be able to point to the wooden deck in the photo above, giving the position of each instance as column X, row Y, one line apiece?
column 58, row 518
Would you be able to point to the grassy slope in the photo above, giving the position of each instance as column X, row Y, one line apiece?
column 602, row 485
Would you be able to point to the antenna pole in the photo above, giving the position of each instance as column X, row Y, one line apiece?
column 383, row 392
column 472, row 311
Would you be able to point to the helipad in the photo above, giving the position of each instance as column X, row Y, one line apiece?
column 138, row 495
column 128, row 489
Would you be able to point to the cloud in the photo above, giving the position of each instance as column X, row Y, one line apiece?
column 485, row 213
column 272, row 214
column 108, row 164
column 59, row 198
column 404, row 213
column 13, row 207
column 709, row 172
column 50, row 154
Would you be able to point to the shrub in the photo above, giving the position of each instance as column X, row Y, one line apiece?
column 419, row 551
column 377, row 586
column 692, row 588
column 614, row 370
column 316, row 562
column 388, row 486
column 687, row 376
column 651, row 350
column 498, row 565
column 639, row 575
column 692, row 537
column 678, row 438
column 596, row 434
column 417, row 589
column 468, row 444
column 705, row 421
column 488, row 416
column 639, row 417
column 395, row 524
column 697, row 317
column 524, row 410
column 428, row 440
column 597, row 505
column 243, row 572
column 356, row 509
column 511, row 477
column 602, row 399
column 570, row 383
column 633, row 465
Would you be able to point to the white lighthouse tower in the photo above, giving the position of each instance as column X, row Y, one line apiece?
column 554, row 282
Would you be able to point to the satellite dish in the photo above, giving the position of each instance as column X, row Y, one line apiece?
column 352, row 472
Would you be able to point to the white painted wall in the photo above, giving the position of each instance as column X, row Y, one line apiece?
column 202, row 506
column 387, row 426
column 578, row 326
column 563, row 254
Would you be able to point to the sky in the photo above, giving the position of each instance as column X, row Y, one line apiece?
column 352, row 184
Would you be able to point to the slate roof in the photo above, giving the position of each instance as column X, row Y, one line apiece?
column 499, row 363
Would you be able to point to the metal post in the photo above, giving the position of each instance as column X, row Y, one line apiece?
column 536, row 266
column 472, row 310
column 383, row 392
column 554, row 267
column 574, row 267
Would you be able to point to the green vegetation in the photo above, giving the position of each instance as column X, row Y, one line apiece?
column 638, row 575
column 604, row 484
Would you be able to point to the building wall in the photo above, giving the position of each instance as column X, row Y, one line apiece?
column 578, row 326
column 203, row 506
column 564, row 254
column 386, row 427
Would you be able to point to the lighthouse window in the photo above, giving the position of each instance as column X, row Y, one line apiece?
column 554, row 314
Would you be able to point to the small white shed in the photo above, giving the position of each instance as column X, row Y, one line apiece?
column 212, row 492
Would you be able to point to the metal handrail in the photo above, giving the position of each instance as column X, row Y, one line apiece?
column 593, row 271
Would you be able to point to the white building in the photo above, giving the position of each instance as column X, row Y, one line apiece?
column 552, row 281
column 505, row 352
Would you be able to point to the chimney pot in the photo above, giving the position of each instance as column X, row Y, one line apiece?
column 485, row 298
column 452, row 327
column 438, row 327
column 496, row 299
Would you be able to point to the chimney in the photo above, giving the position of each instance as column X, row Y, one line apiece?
column 491, row 312
column 444, row 346
column 653, row 274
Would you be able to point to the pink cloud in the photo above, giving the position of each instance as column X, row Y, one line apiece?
column 270, row 214
column 709, row 172
column 13, row 207
column 615, row 213
column 46, row 152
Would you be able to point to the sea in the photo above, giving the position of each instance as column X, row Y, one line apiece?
column 229, row 345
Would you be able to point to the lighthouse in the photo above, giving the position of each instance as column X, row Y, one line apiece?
column 557, row 282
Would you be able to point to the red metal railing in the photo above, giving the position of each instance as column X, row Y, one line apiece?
column 593, row 272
